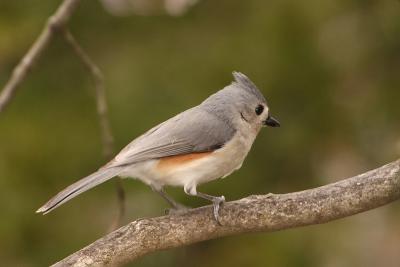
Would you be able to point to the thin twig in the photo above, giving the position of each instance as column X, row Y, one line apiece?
column 54, row 23
column 102, row 112
column 265, row 213
column 121, row 205
column 57, row 23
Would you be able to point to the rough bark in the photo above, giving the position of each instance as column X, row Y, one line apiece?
column 251, row 214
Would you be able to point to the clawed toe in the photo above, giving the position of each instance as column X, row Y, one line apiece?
column 218, row 202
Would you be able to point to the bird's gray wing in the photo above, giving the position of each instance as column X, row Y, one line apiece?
column 192, row 131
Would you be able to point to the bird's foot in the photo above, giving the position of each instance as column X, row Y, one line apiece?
column 217, row 203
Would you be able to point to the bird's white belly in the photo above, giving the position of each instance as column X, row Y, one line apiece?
column 217, row 164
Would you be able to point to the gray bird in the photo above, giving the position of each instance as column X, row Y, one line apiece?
column 199, row 145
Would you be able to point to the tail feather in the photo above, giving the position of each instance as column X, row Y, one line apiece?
column 79, row 187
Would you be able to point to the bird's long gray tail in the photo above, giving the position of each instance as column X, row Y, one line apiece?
column 79, row 187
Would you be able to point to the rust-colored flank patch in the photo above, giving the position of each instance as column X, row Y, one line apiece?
column 174, row 161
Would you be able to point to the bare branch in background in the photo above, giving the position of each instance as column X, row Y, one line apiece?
column 57, row 24
column 54, row 23
column 263, row 213
column 102, row 112
column 121, row 205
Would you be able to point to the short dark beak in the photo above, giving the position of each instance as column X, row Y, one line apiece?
column 270, row 121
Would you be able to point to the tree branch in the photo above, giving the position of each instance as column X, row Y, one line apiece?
column 101, row 103
column 102, row 113
column 265, row 213
column 54, row 23
column 57, row 24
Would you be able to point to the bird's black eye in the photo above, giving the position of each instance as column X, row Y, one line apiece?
column 259, row 109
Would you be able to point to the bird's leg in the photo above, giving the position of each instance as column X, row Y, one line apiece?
column 217, row 201
column 175, row 205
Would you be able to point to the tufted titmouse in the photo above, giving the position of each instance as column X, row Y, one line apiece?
column 199, row 145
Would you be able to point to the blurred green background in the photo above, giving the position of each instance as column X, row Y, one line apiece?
column 330, row 71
